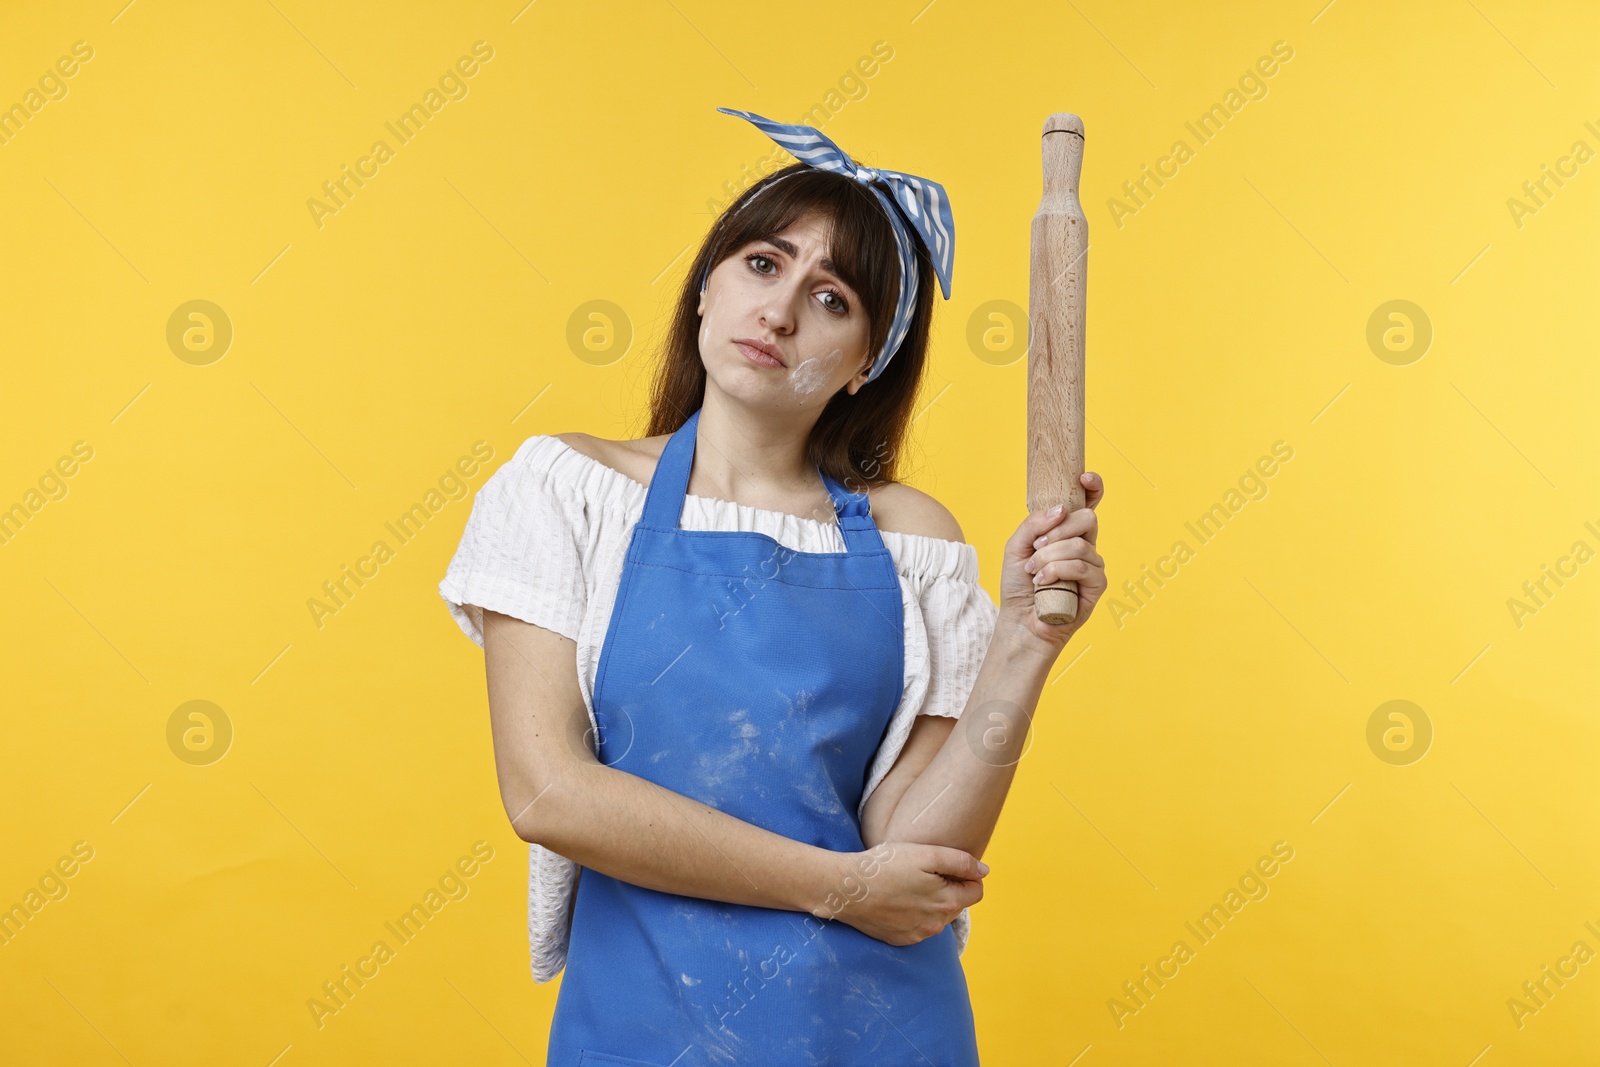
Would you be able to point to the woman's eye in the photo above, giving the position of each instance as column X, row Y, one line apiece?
column 838, row 304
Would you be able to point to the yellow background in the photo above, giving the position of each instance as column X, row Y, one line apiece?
column 1175, row 745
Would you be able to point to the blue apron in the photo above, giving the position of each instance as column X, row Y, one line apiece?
column 760, row 681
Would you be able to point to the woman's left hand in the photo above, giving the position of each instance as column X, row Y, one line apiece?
column 1055, row 549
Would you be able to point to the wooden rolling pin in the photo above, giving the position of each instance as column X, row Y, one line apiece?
column 1058, row 271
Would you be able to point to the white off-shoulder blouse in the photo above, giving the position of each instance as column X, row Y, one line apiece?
column 545, row 543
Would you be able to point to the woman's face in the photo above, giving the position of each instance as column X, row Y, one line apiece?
column 783, row 292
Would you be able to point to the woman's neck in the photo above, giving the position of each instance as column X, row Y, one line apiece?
column 746, row 456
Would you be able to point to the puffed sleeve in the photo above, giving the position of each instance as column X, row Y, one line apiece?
column 949, row 620
column 521, row 552
column 959, row 617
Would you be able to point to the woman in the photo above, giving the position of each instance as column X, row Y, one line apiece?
column 794, row 743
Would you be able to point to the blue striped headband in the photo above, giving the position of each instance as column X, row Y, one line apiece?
column 913, row 204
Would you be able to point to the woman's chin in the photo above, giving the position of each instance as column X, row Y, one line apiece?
column 757, row 387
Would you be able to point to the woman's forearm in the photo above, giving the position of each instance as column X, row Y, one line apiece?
column 637, row 831
column 957, row 798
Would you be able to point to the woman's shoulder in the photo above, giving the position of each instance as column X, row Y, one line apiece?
column 635, row 460
column 585, row 467
column 900, row 508
column 579, row 476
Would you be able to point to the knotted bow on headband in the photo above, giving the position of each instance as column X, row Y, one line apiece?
column 913, row 204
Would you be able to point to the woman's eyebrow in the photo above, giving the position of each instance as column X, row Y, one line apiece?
column 788, row 246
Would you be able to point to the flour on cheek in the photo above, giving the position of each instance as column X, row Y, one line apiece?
column 705, row 320
column 812, row 374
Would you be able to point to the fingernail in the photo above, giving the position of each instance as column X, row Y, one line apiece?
column 1053, row 512
column 983, row 868
column 1040, row 543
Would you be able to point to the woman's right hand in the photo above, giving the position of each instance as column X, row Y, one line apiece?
column 901, row 892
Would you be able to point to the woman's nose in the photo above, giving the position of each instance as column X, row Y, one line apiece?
column 779, row 313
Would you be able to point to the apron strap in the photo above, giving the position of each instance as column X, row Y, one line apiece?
column 663, row 503
column 855, row 518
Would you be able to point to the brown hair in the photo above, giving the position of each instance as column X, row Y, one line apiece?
column 857, row 440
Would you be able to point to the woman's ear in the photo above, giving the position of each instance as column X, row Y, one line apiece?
column 859, row 380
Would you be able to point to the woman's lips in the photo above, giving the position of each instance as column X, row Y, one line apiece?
column 757, row 356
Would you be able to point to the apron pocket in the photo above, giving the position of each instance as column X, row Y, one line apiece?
column 587, row 1056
